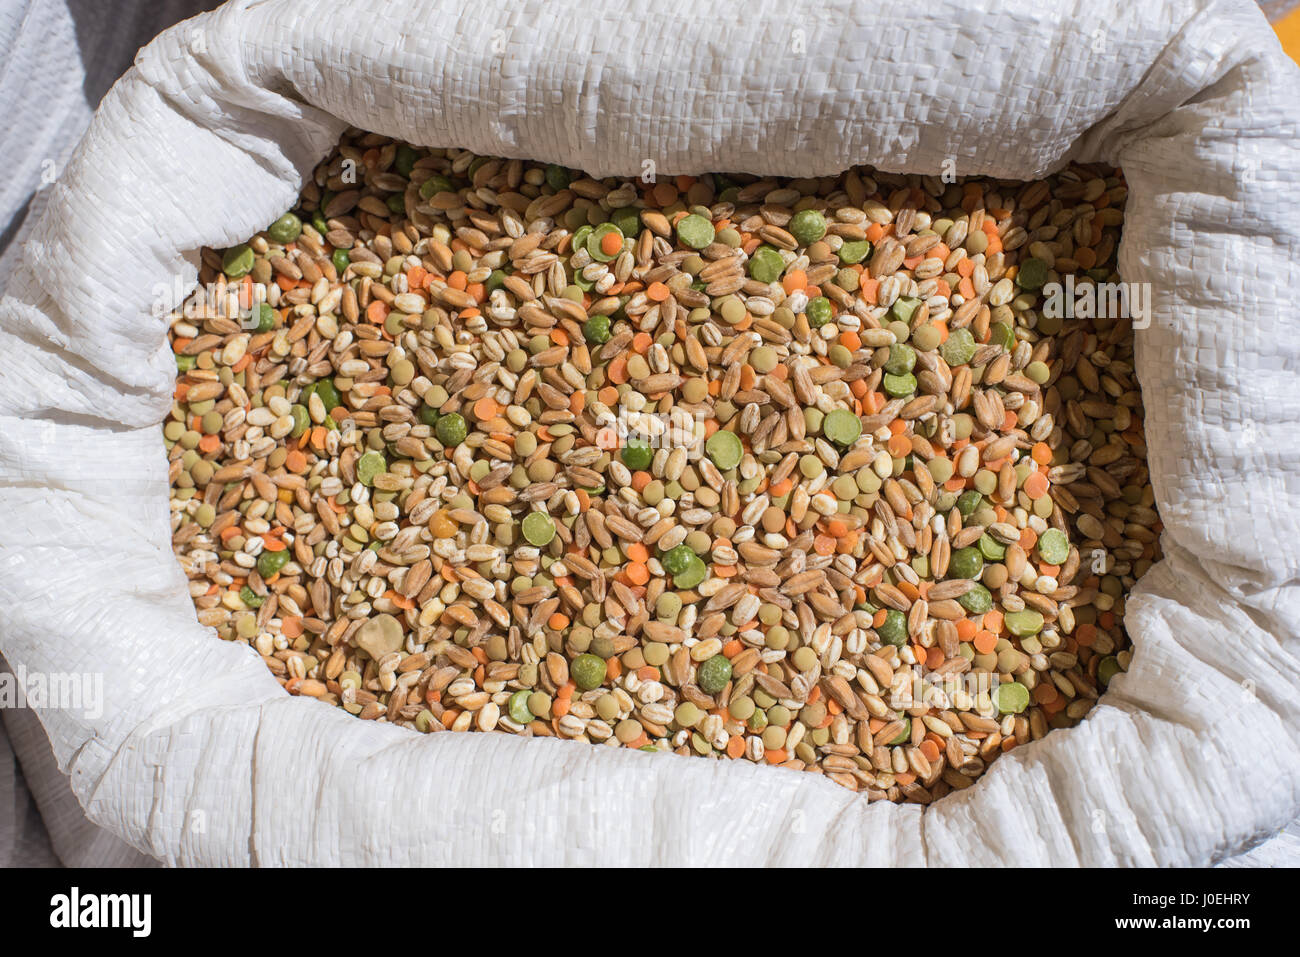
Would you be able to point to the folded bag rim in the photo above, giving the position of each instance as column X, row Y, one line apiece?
column 229, row 99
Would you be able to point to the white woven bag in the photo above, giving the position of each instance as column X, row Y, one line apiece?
column 201, row 758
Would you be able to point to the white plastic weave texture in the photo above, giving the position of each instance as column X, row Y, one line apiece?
column 1190, row 757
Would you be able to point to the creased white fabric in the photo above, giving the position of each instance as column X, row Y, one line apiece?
column 201, row 758
column 57, row 59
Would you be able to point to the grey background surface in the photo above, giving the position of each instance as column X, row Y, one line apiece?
column 57, row 59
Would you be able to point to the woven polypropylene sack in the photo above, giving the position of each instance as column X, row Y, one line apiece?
column 199, row 756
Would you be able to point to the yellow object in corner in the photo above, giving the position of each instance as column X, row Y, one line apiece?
column 1288, row 31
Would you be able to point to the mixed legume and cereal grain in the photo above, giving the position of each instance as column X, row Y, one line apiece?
column 798, row 472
